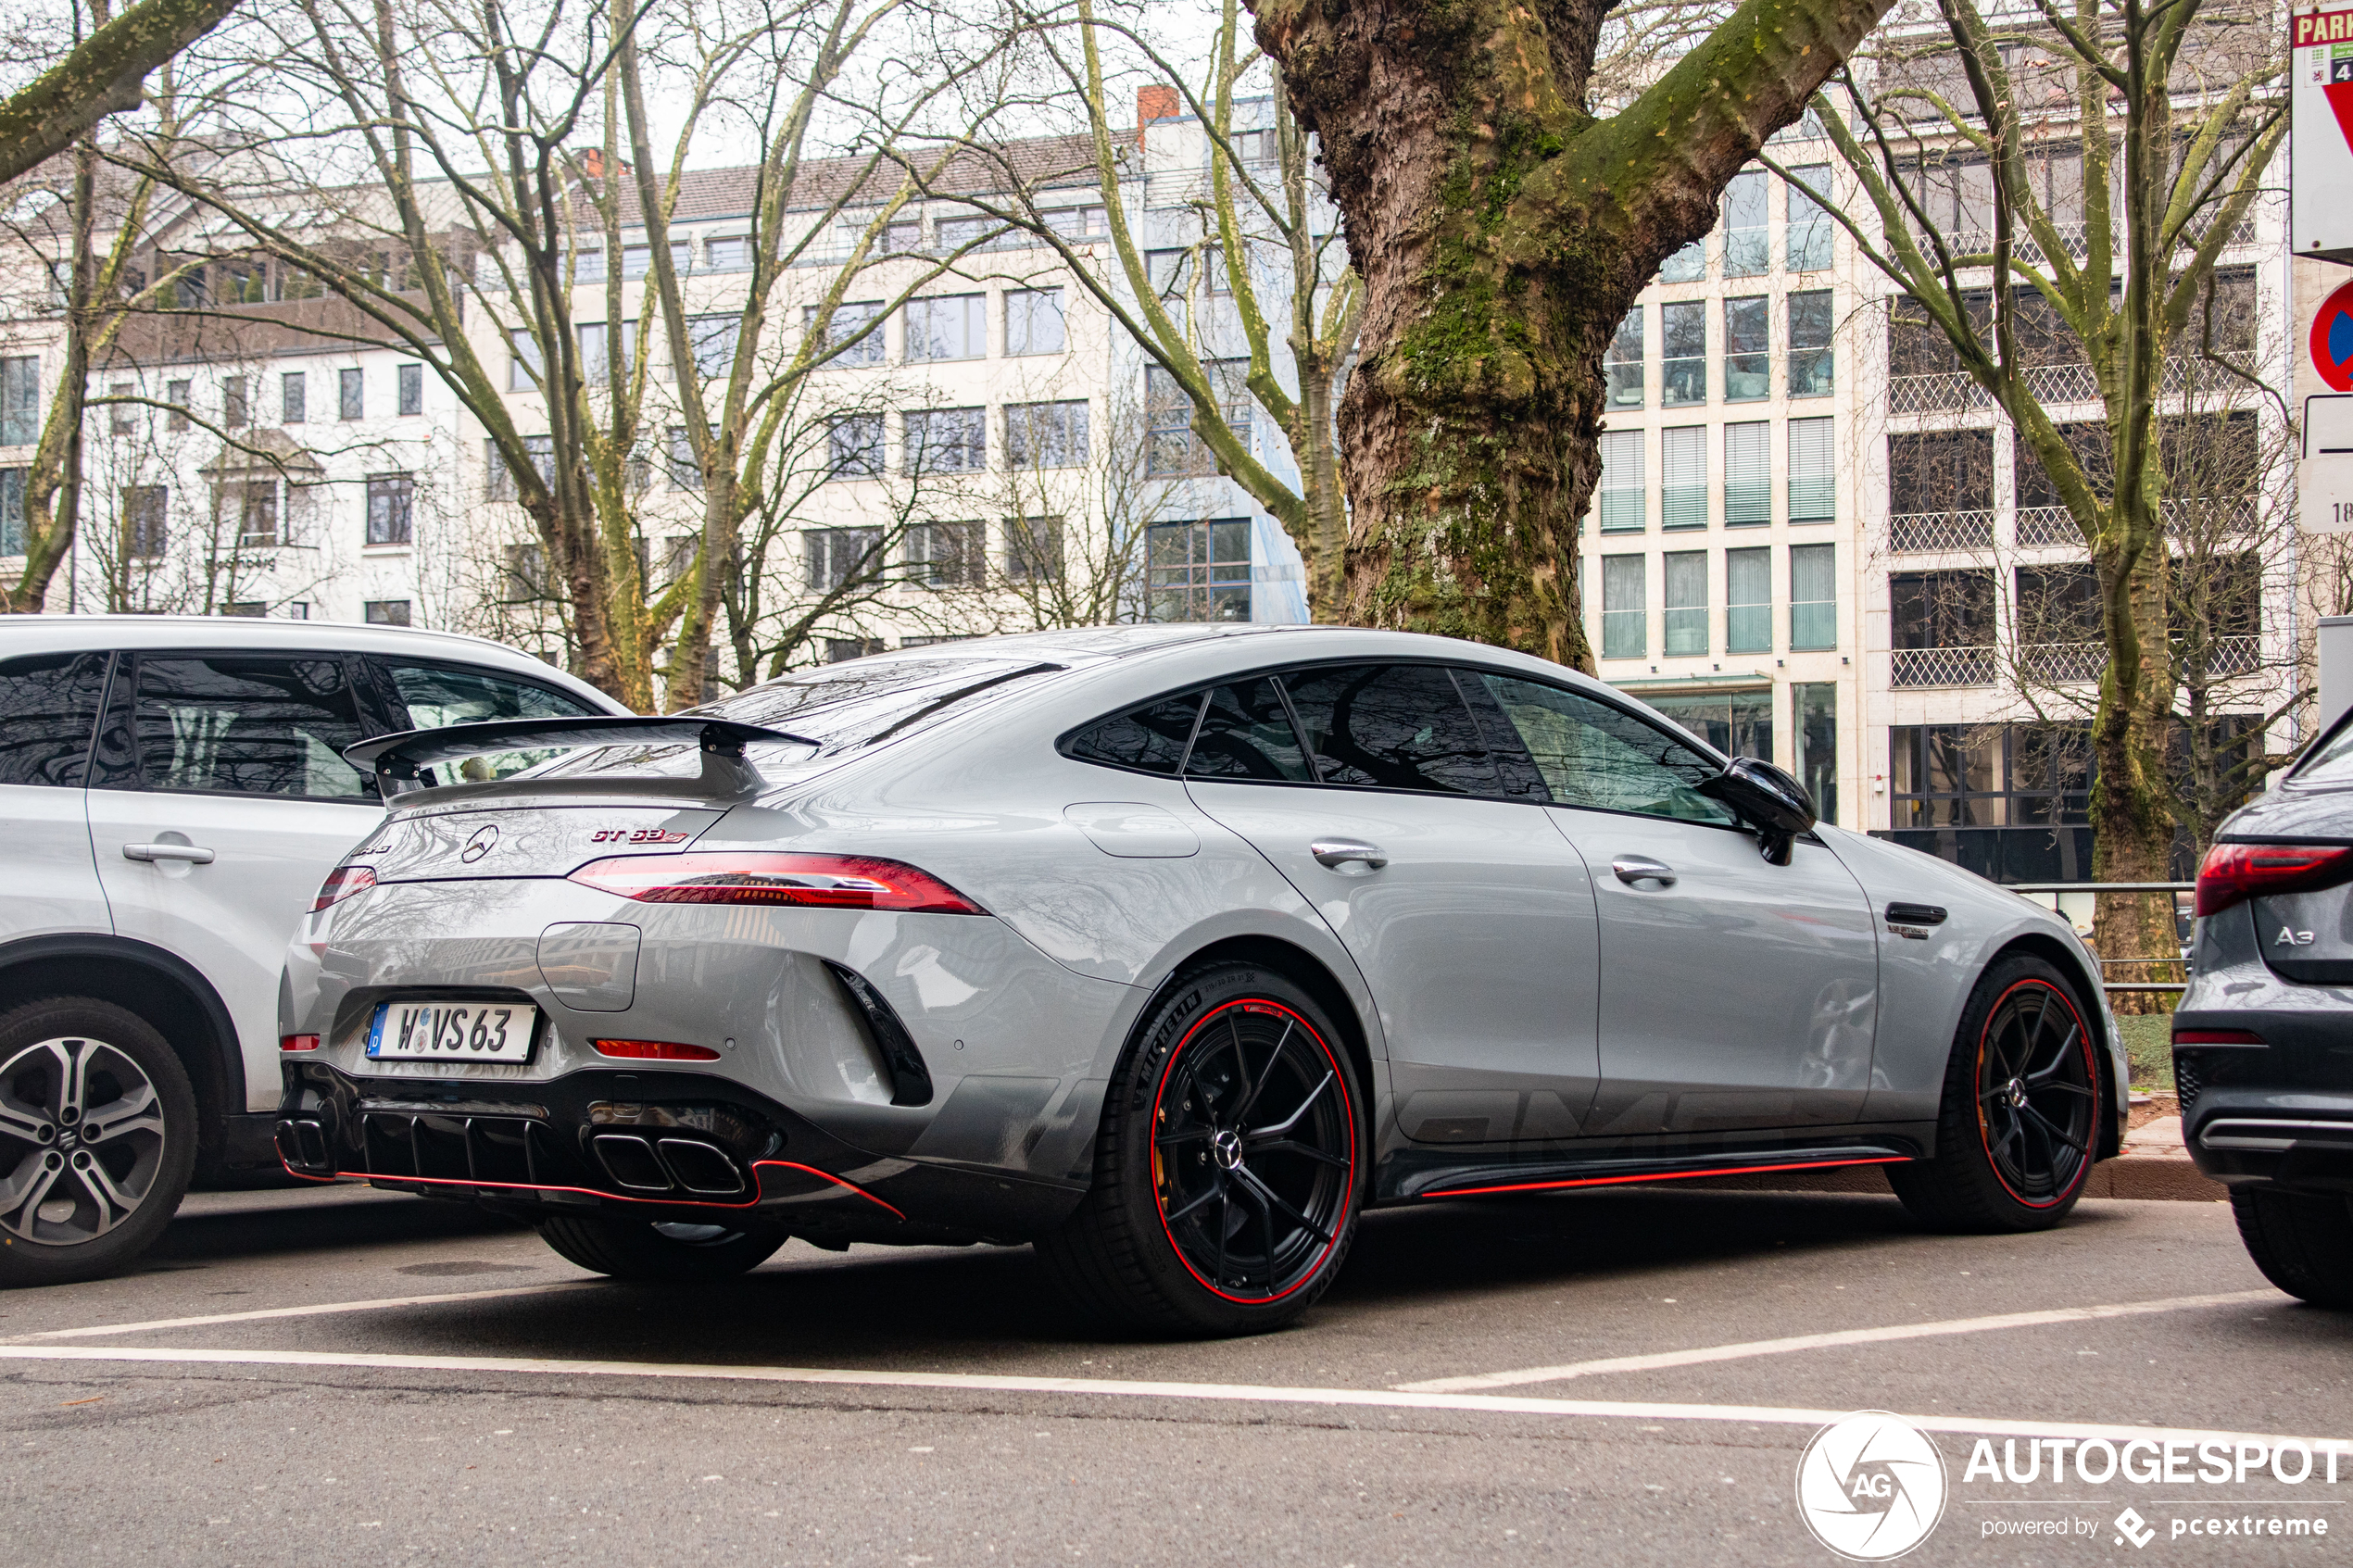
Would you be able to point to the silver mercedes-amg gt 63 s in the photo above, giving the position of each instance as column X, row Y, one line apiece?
column 1168, row 949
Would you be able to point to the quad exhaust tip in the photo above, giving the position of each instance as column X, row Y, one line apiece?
column 639, row 1164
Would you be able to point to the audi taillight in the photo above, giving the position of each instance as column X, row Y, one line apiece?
column 341, row 883
column 826, row 881
column 654, row 1051
column 2232, row 873
column 298, row 1042
column 2216, row 1036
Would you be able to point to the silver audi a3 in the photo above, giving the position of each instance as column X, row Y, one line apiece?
column 1166, row 949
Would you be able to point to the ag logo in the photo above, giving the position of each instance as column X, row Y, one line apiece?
column 479, row 845
column 1871, row 1487
column 2292, row 938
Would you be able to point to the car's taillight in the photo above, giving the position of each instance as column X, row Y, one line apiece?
column 2232, row 873
column 341, row 883
column 298, row 1042
column 655, row 1050
column 827, row 881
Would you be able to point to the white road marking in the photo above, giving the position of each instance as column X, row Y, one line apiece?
column 993, row 1383
column 319, row 1308
column 1822, row 1341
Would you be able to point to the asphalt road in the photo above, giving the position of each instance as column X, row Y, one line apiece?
column 938, row 1406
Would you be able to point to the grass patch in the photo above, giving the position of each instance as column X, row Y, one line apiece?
column 2148, row 1043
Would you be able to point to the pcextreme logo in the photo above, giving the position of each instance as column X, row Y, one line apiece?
column 1871, row 1487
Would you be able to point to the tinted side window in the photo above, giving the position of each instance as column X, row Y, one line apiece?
column 1516, row 775
column 1245, row 733
column 1150, row 739
column 1394, row 726
column 439, row 695
column 1591, row 753
column 235, row 723
column 48, row 706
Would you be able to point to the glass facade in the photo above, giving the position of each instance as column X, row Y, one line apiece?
column 1683, row 340
column 1624, row 492
column 1622, row 365
column 1813, row 597
column 1748, row 600
column 1625, row 587
column 1748, row 350
column 1814, row 705
column 1739, row 723
column 1748, row 474
column 1812, row 364
column 1686, row 619
column 1199, row 571
column 1683, row 500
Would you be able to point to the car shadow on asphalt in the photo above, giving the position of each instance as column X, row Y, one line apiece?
column 218, row 1239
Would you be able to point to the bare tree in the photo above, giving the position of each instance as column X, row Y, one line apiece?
column 101, row 75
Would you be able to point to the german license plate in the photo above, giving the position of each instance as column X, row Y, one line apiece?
column 471, row 1031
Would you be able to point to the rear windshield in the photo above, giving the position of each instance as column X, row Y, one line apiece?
column 2331, row 762
column 841, row 709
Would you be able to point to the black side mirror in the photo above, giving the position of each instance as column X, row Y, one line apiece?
column 1768, row 801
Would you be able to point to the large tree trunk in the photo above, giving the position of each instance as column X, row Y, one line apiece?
column 1502, row 231
column 2133, row 823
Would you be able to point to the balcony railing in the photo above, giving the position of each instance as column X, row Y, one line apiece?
column 1914, row 531
column 2232, row 656
column 2064, row 662
column 1944, row 666
column 2041, row 526
column 1944, row 392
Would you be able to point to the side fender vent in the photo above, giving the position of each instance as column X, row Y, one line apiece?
column 910, row 1079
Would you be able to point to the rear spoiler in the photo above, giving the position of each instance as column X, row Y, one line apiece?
column 400, row 757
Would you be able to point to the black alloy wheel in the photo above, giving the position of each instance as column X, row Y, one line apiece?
column 1254, row 1147
column 1229, row 1165
column 2019, row 1127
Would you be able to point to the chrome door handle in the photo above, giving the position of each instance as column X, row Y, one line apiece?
column 1642, row 868
column 194, row 854
column 1337, row 852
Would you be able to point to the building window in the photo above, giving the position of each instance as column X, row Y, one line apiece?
column 1080, row 222
column 386, row 612
column 729, row 252
column 1816, row 710
column 850, row 350
column 1034, row 549
column 945, row 441
column 1748, row 600
column 526, row 573
column 949, row 555
column 588, row 265
column 1686, row 619
column 392, row 499
column 524, row 365
column 1199, row 571
column 1625, row 593
column 1625, row 487
column 1688, row 265
column 1813, row 597
column 1748, row 350
column 176, row 393
column 853, row 447
column 836, row 557
column 841, row 650
column 1940, row 490
column 1046, row 436
column 951, row 326
column 1811, row 363
column 122, row 419
column 1748, row 251
column 498, row 480
column 12, row 510
column 1809, row 226
column 19, row 401
column 1623, row 363
column 639, row 260
column 347, row 404
column 1813, row 477
column 249, row 610
column 1682, row 341
column 1737, row 724
column 684, row 469
column 2059, row 621
column 1748, row 474
column 1990, row 775
column 596, row 351
column 1941, row 628
column 233, row 414
column 247, row 512
column 1034, row 322
column 1683, row 495
column 410, row 381
column 143, row 510
column 712, row 339
column 1171, row 447
column 294, row 398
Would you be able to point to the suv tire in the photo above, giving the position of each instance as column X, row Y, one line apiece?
column 2019, row 1125
column 659, row 1252
column 2302, row 1242
column 1229, row 1167
column 97, row 1139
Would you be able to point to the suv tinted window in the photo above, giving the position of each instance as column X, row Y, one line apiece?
column 1150, row 739
column 438, row 695
column 243, row 724
column 1591, row 753
column 48, row 706
column 1245, row 733
column 1399, row 726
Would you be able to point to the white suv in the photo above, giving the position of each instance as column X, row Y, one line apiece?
column 174, row 791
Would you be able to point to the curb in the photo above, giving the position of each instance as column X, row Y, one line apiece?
column 2140, row 1177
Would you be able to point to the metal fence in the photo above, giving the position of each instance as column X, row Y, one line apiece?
column 2177, row 889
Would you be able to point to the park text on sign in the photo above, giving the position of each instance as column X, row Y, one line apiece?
column 2321, row 216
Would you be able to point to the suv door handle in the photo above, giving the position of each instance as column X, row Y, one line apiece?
column 1642, row 868
column 1337, row 852
column 195, row 855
